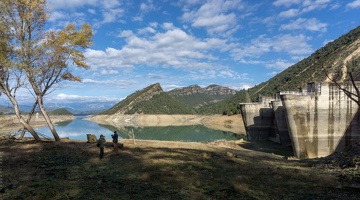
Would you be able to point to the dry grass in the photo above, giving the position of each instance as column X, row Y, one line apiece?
column 72, row 170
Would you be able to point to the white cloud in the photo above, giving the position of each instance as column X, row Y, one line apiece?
column 238, row 86
column 307, row 24
column 279, row 64
column 286, row 3
column 313, row 5
column 354, row 4
column 215, row 15
column 290, row 13
column 110, row 4
column 303, row 7
column 289, row 44
column 293, row 44
column 57, row 15
column 168, row 26
column 272, row 73
column 108, row 72
column 66, row 98
column 56, row 4
column 112, row 15
column 172, row 48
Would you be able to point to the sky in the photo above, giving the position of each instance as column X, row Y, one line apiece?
column 232, row 43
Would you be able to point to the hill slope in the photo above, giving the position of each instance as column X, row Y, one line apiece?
column 337, row 58
column 150, row 100
column 61, row 111
column 195, row 96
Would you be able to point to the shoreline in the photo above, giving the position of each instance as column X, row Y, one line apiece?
column 11, row 122
column 233, row 123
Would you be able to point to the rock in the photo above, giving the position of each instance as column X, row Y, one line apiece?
column 229, row 154
column 206, row 155
column 91, row 138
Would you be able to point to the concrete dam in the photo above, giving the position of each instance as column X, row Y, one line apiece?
column 316, row 123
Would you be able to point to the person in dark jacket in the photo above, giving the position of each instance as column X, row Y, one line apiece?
column 101, row 143
column 115, row 141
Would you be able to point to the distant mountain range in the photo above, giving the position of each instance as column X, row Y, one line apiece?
column 74, row 108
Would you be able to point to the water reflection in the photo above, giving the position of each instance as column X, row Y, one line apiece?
column 78, row 128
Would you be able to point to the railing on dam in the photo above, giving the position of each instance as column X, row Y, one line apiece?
column 297, row 93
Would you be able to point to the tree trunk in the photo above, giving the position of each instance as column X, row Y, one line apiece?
column 26, row 124
column 28, row 119
column 47, row 119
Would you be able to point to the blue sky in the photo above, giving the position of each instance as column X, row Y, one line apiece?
column 233, row 43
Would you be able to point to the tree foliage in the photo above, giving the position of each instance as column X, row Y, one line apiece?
column 32, row 55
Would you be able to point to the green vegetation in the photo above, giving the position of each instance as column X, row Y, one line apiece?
column 161, row 104
column 199, row 99
column 228, row 106
column 132, row 98
column 61, row 111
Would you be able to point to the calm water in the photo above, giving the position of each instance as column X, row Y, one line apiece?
column 78, row 128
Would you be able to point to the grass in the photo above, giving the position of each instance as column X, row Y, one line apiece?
column 49, row 170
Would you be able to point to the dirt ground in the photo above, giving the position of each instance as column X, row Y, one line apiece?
column 165, row 170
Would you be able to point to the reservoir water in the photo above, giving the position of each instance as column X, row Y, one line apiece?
column 78, row 128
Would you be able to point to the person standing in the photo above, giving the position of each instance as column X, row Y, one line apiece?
column 101, row 143
column 115, row 141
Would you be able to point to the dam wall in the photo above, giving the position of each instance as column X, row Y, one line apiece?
column 321, row 124
column 316, row 123
column 259, row 121
column 281, row 123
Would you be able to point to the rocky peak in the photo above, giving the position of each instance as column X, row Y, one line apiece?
column 194, row 89
column 219, row 90
column 141, row 95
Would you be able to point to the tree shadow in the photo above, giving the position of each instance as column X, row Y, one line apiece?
column 71, row 170
column 268, row 147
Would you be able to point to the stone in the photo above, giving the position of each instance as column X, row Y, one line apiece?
column 229, row 154
column 91, row 138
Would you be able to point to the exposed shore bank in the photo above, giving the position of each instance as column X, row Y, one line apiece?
column 11, row 122
column 231, row 123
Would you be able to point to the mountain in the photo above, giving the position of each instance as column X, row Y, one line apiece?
column 336, row 59
column 195, row 96
column 61, row 111
column 6, row 109
column 150, row 100
column 79, row 108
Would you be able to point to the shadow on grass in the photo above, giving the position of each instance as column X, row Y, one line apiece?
column 40, row 170
column 268, row 147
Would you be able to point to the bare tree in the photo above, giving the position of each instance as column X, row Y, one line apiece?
column 354, row 95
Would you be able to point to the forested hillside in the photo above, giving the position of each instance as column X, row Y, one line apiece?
column 195, row 96
column 150, row 100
